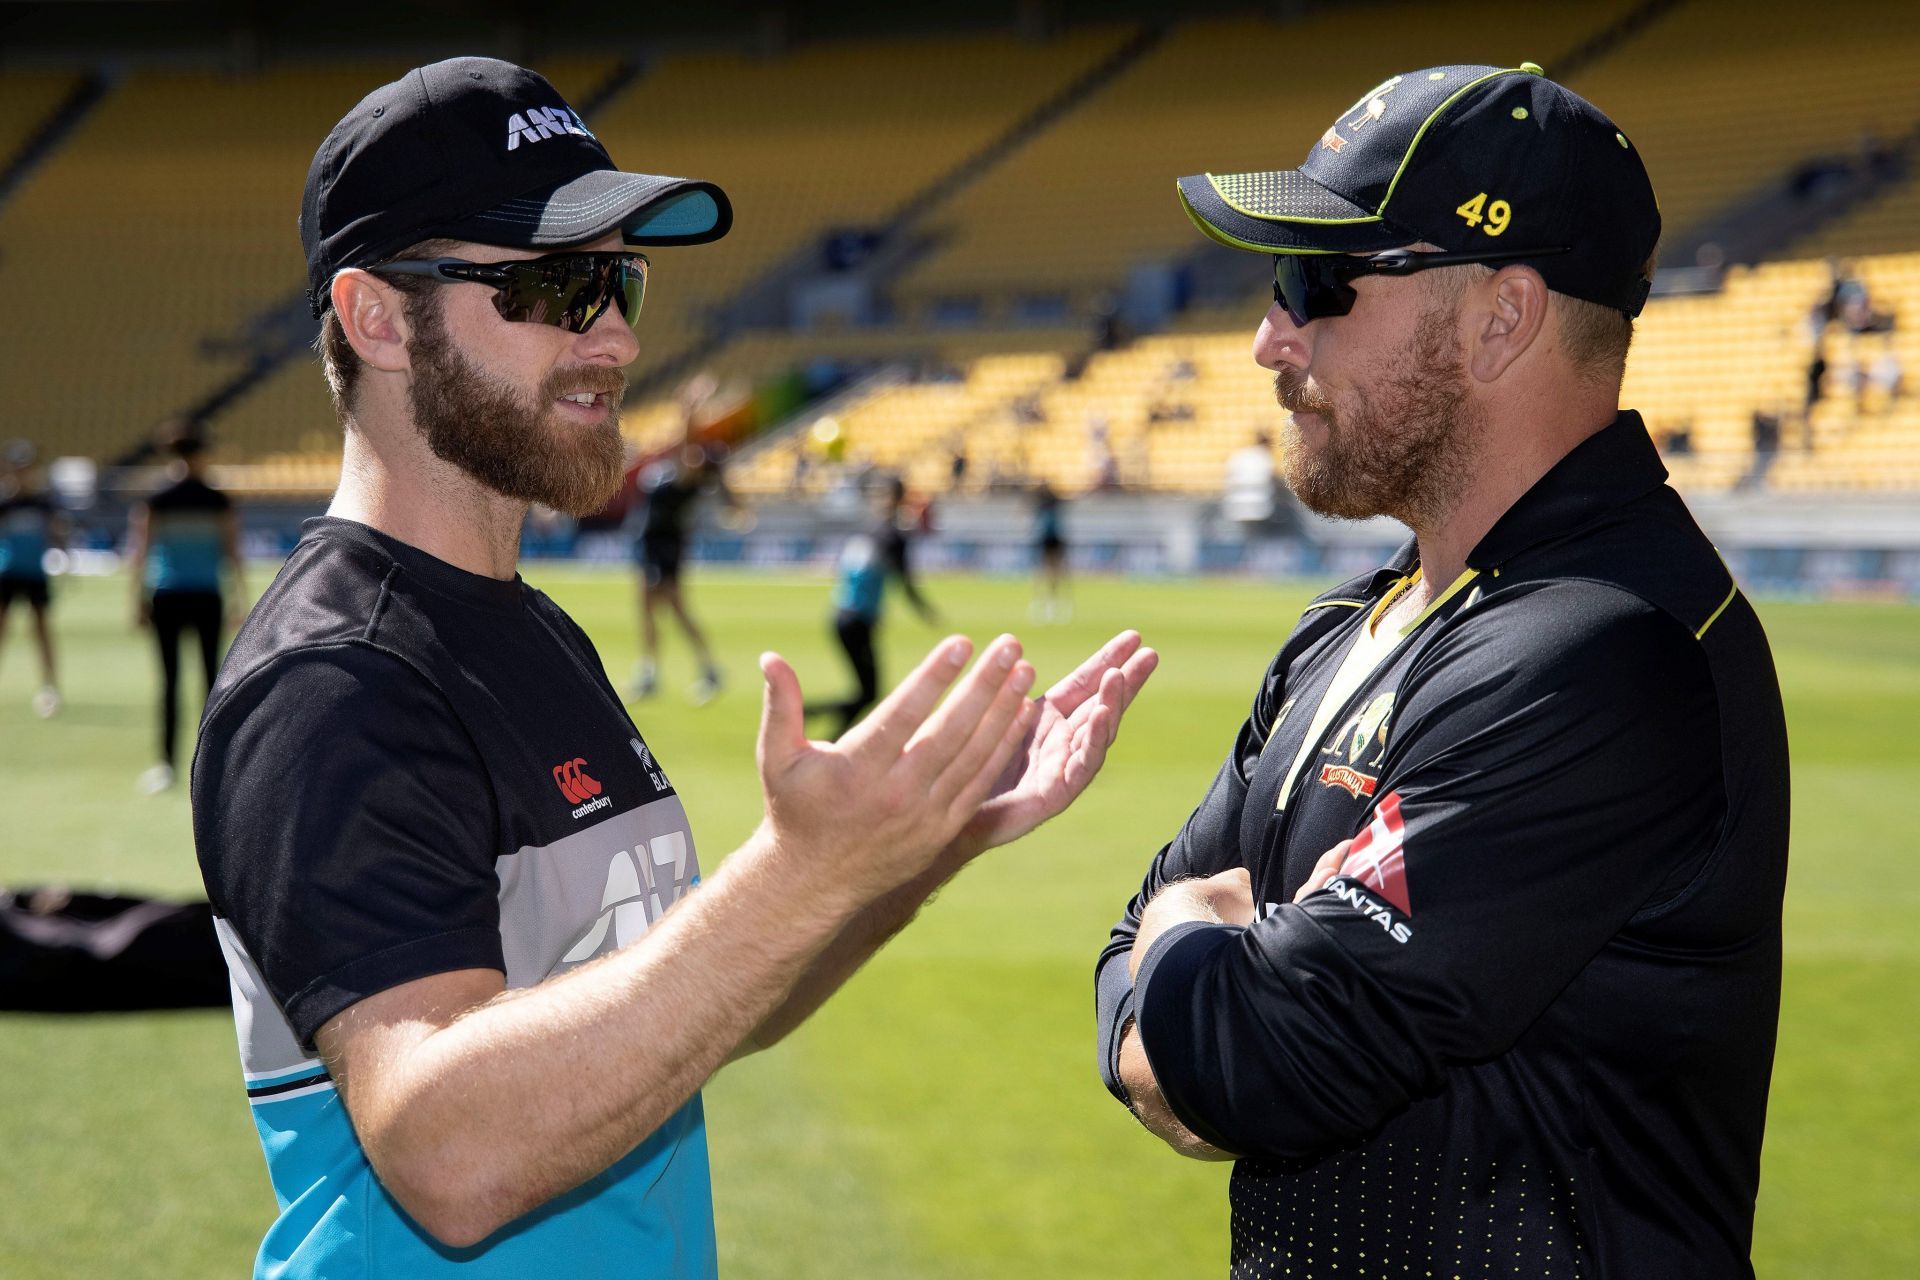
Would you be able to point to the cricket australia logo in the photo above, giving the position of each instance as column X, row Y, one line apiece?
column 1360, row 744
column 642, row 883
column 1371, row 108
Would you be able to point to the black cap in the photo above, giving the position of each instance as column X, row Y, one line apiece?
column 479, row 149
column 1462, row 157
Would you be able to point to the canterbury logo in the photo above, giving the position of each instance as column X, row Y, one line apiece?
column 537, row 124
column 573, row 781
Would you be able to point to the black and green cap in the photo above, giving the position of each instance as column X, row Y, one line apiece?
column 1465, row 158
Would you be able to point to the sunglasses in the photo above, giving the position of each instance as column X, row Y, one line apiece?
column 567, row 290
column 1314, row 286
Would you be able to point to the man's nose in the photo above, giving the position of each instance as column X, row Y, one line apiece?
column 609, row 340
column 1280, row 341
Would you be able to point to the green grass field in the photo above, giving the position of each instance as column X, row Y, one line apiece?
column 941, row 1117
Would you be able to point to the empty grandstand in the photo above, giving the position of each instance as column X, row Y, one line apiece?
column 966, row 238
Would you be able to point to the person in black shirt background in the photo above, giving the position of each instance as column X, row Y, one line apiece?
column 179, row 542
column 1051, row 603
column 671, row 489
column 1470, row 957
column 30, row 526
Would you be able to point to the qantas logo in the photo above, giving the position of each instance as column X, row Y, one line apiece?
column 1378, row 857
column 537, row 124
column 1351, row 894
column 1377, row 861
column 579, row 789
column 641, row 884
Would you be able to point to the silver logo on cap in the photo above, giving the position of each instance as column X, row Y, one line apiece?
column 537, row 124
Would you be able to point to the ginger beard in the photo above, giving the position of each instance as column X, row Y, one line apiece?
column 1405, row 449
column 507, row 440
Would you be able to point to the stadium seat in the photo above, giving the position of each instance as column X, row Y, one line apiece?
column 1723, row 95
column 1051, row 230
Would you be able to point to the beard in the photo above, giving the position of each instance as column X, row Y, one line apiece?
column 1406, row 450
column 506, row 439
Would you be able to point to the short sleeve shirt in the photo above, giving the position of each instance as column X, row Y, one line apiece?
column 404, row 770
column 186, row 538
column 865, row 562
column 26, row 531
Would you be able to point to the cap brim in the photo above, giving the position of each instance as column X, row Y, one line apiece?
column 1283, row 211
column 645, row 208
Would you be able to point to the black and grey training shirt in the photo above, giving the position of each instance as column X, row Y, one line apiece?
column 1528, row 1030
column 406, row 769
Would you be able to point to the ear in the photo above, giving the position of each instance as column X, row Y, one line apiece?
column 373, row 318
column 1510, row 324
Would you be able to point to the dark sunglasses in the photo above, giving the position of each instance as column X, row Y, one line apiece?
column 1314, row 286
column 568, row 290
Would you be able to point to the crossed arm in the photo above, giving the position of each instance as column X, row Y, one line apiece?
column 1309, row 1028
column 451, row 1081
column 1226, row 898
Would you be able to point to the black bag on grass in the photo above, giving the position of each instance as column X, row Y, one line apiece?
column 66, row 952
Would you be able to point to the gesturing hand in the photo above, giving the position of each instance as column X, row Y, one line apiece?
column 1076, row 722
column 879, row 805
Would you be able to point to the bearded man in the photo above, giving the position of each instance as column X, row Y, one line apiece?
column 476, row 992
column 1471, row 955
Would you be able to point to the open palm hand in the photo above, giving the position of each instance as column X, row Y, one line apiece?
column 1078, row 720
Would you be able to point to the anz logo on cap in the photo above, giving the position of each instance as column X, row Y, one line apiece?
column 537, row 124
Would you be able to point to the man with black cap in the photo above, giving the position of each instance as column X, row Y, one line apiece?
column 1470, row 955
column 476, row 996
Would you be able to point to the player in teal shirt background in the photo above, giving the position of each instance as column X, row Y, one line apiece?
column 30, row 527
column 859, row 592
column 179, row 541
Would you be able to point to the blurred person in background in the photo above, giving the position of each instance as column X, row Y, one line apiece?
column 1051, row 602
column 671, row 489
column 1816, row 376
column 957, row 463
column 1879, row 369
column 1841, row 289
column 1103, row 464
column 1251, row 489
column 179, row 542
column 30, row 527
column 867, row 562
column 1172, row 398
